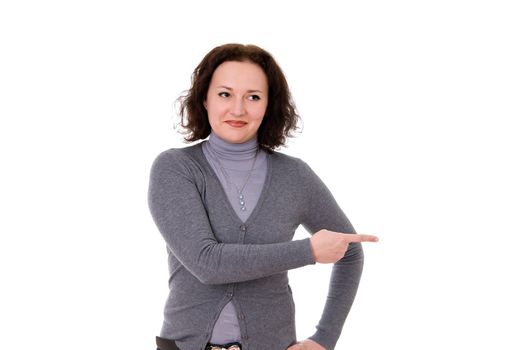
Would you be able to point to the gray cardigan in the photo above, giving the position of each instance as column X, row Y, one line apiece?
column 214, row 257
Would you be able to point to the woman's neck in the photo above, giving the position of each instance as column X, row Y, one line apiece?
column 232, row 151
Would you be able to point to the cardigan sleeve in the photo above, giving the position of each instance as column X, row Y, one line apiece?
column 178, row 212
column 323, row 212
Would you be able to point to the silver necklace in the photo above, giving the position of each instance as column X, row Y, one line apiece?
column 241, row 197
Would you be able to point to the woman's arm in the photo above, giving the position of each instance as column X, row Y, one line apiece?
column 177, row 210
column 323, row 212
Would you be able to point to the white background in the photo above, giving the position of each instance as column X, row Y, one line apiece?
column 413, row 115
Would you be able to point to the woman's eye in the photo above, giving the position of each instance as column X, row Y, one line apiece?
column 224, row 94
column 254, row 97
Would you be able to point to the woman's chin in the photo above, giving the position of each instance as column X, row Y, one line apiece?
column 235, row 136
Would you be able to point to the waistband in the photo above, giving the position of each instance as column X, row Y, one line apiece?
column 169, row 344
column 229, row 346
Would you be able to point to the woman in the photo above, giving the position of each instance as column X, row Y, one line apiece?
column 228, row 208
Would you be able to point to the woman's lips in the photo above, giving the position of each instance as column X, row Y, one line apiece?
column 236, row 123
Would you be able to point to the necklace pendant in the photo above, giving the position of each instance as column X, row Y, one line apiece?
column 242, row 202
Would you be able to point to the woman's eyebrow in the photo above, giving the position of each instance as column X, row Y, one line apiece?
column 230, row 89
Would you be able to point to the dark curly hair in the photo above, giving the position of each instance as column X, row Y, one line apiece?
column 281, row 116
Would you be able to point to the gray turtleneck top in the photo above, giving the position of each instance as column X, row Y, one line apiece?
column 232, row 163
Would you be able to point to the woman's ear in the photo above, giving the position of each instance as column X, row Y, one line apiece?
column 205, row 104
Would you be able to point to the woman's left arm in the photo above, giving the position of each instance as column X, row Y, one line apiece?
column 323, row 212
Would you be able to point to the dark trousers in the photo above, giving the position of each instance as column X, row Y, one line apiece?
column 166, row 344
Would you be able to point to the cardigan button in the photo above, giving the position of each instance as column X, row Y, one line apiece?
column 243, row 228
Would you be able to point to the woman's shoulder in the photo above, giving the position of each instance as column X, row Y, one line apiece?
column 290, row 162
column 178, row 158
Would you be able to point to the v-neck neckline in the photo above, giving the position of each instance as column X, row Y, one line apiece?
column 225, row 197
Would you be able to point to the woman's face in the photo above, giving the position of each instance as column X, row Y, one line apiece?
column 237, row 100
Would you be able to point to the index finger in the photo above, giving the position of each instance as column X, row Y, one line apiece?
column 354, row 238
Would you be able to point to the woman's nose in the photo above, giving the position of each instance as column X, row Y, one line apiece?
column 237, row 107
